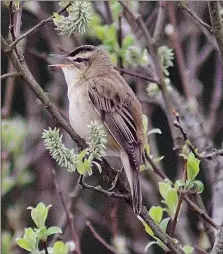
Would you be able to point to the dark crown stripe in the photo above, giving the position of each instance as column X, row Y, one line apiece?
column 83, row 48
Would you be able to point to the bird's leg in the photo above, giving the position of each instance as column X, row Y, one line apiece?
column 119, row 172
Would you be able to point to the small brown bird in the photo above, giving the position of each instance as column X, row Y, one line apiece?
column 96, row 91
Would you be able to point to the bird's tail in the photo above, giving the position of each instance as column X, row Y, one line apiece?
column 132, row 174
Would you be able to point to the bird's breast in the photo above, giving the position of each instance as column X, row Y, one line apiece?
column 82, row 113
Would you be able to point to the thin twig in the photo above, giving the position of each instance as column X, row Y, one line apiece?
column 10, row 75
column 200, row 21
column 216, row 20
column 108, row 12
column 119, row 36
column 68, row 214
column 177, row 213
column 136, row 75
column 11, row 20
column 43, row 22
column 200, row 212
column 99, row 238
column 198, row 155
column 101, row 190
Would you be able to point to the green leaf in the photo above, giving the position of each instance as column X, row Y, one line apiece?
column 56, row 16
column 164, row 223
column 188, row 249
column 53, row 230
column 163, row 188
column 192, row 167
column 179, row 184
column 127, row 41
column 156, row 213
column 60, row 248
column 198, row 185
column 147, row 227
column 172, row 200
column 24, row 244
column 149, row 245
column 39, row 214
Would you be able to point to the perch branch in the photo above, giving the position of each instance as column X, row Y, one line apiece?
column 200, row 21
column 99, row 238
column 216, row 20
column 10, row 75
column 43, row 22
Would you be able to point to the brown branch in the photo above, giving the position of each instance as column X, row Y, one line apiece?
column 11, row 21
column 136, row 75
column 198, row 155
column 167, row 240
column 10, row 75
column 99, row 238
column 200, row 212
column 216, row 20
column 41, row 23
column 218, row 245
column 176, row 215
column 102, row 191
column 159, row 22
column 68, row 214
column 200, row 21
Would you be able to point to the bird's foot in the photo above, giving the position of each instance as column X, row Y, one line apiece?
column 119, row 172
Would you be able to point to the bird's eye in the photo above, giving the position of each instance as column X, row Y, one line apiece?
column 80, row 60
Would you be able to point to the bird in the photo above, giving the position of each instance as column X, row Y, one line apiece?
column 97, row 92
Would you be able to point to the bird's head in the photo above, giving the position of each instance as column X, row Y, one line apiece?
column 84, row 61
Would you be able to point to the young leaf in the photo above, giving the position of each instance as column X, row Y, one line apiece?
column 147, row 227
column 164, row 223
column 39, row 214
column 163, row 188
column 188, row 249
column 149, row 245
column 24, row 244
column 156, row 213
column 198, row 185
column 53, row 230
column 60, row 248
column 172, row 200
column 192, row 167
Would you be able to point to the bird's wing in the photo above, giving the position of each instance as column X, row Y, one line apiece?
column 117, row 116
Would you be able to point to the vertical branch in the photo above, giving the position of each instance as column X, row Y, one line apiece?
column 216, row 20
column 179, row 53
column 160, row 22
column 68, row 214
column 119, row 35
column 14, row 29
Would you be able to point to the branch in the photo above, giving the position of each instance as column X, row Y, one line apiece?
column 136, row 75
column 43, row 22
column 11, row 21
column 101, row 190
column 218, row 245
column 200, row 21
column 159, row 22
column 190, row 202
column 200, row 212
column 216, row 20
column 10, row 75
column 100, row 239
column 167, row 240
column 199, row 156
column 68, row 214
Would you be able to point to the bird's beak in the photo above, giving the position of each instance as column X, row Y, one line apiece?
column 57, row 65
